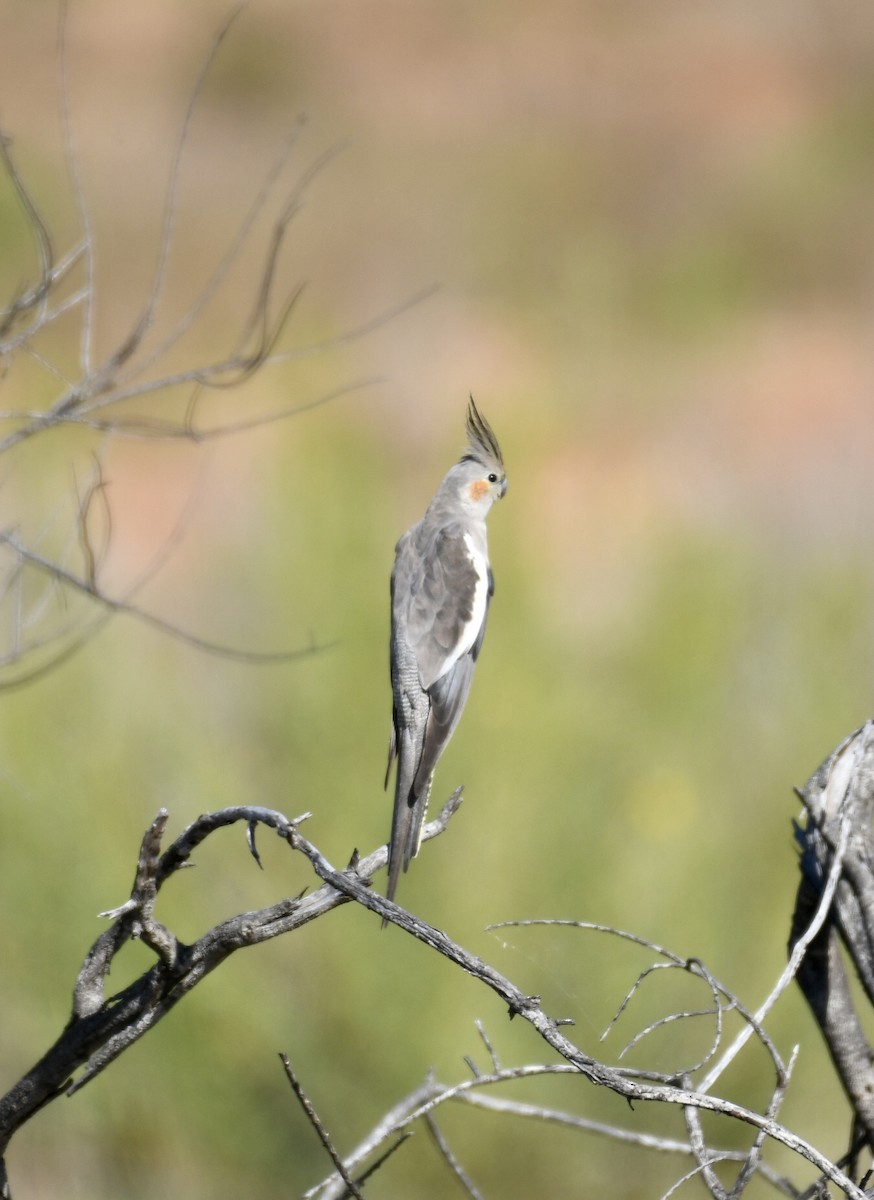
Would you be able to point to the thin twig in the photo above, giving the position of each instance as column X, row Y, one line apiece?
column 316, row 1122
column 530, row 1009
column 86, row 333
column 123, row 605
column 692, row 1117
column 791, row 969
column 451, row 1160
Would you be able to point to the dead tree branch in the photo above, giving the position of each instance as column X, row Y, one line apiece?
column 54, row 599
column 837, row 841
column 316, row 1122
column 633, row 1085
column 102, row 1027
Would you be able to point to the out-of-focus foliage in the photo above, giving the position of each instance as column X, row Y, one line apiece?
column 651, row 227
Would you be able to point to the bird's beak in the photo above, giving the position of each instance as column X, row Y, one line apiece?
column 503, row 488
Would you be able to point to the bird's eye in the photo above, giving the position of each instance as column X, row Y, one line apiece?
column 493, row 478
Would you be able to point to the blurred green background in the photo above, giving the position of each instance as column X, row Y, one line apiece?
column 653, row 234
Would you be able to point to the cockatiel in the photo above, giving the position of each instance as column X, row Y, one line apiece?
column 441, row 586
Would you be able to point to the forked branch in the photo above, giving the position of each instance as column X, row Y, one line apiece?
column 101, row 1026
column 54, row 597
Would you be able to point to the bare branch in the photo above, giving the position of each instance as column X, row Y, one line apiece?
column 529, row 1008
column 834, row 906
column 753, row 1162
column 394, row 1120
column 100, row 1027
column 493, row 1054
column 699, row 1149
column 805, row 938
column 117, row 395
column 724, row 998
column 60, row 575
column 132, row 342
column 451, row 1161
column 88, row 296
column 316, row 1122
column 478, row 1093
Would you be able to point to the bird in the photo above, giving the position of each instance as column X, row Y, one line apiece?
column 441, row 588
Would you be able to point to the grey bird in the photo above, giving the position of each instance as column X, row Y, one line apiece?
column 441, row 587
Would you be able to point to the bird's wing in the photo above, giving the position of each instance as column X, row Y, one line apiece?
column 447, row 603
column 409, row 712
column 393, row 740
column 471, row 584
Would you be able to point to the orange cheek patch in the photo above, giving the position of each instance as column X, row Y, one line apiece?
column 478, row 489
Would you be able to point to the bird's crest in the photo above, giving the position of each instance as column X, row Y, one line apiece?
column 484, row 448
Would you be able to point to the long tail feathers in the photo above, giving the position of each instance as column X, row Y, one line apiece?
column 400, row 832
column 408, row 817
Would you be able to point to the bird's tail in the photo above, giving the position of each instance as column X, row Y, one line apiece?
column 419, row 810
column 410, row 807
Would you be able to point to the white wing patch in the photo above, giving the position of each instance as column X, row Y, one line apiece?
column 480, row 600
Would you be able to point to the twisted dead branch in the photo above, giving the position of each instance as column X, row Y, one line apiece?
column 837, row 843
column 101, row 1027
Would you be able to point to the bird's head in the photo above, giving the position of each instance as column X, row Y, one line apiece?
column 480, row 474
